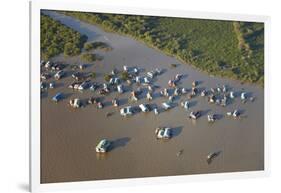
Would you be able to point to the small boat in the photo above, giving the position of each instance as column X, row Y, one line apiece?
column 59, row 74
column 120, row 88
column 93, row 100
column 194, row 115
column 178, row 77
column 183, row 90
column 236, row 113
column 100, row 105
column 177, row 92
column 103, row 146
column 156, row 112
column 179, row 153
column 243, row 96
column 163, row 133
column 144, row 108
column 185, row 105
column 211, row 118
column 171, row 98
column 211, row 156
column 75, row 103
column 126, row 111
column 52, row 85
column 115, row 102
column 194, row 83
column 229, row 113
column 232, row 95
column 149, row 96
column 252, row 99
column 167, row 105
column 57, row 97
column 203, row 93
column 224, row 88
column 94, row 87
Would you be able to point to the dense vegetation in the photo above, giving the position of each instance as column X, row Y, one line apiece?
column 96, row 46
column 56, row 38
column 89, row 57
column 225, row 48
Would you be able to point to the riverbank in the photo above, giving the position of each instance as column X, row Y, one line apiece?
column 218, row 54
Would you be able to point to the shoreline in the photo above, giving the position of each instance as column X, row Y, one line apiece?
column 165, row 52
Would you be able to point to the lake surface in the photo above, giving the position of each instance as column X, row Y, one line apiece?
column 69, row 137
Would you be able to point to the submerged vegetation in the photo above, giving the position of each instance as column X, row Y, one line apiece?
column 225, row 48
column 57, row 38
column 96, row 46
column 89, row 57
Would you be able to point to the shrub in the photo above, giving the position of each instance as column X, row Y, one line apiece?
column 107, row 77
column 88, row 57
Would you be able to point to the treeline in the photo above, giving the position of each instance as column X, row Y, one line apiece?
column 57, row 38
column 209, row 45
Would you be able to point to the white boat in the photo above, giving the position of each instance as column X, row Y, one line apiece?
column 146, row 80
column 59, row 75
column 126, row 111
column 156, row 112
column 211, row 118
column 203, row 93
column 185, row 105
column 163, row 133
column 75, row 103
column 120, row 88
column 167, row 105
column 125, row 68
column 144, row 107
column 149, row 96
column 100, row 105
column 194, row 115
column 84, row 85
column 103, row 146
column 231, row 95
column 243, row 96
column 235, row 113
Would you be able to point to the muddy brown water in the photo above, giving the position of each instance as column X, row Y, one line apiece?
column 69, row 137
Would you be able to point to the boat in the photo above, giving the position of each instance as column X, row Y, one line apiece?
column 243, row 96
column 235, row 113
column 194, row 83
column 144, row 107
column 94, row 87
column 75, row 103
column 211, row 118
column 156, row 112
column 103, row 146
column 232, row 95
column 167, row 105
column 100, row 105
column 194, row 115
column 84, row 85
column 57, row 97
column 149, row 96
column 52, row 85
column 115, row 102
column 120, row 88
column 93, row 100
column 126, row 111
column 163, row 133
column 185, row 105
column 203, row 93
column 59, row 74
column 211, row 156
